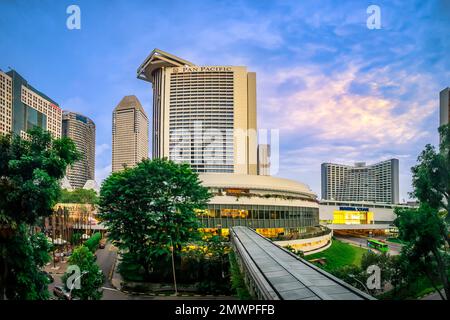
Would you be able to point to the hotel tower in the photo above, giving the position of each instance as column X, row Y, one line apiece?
column 130, row 134
column 202, row 115
column 23, row 107
column 206, row 116
column 378, row 182
column 81, row 130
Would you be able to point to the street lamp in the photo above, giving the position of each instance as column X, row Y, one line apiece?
column 173, row 267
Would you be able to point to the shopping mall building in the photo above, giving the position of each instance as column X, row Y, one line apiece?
column 280, row 209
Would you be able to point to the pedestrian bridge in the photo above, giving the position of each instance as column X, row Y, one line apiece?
column 274, row 273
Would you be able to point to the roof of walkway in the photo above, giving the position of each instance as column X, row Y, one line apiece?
column 284, row 276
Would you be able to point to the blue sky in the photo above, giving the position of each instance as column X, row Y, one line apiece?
column 337, row 91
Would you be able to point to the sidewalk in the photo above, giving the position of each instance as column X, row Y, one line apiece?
column 116, row 278
column 61, row 267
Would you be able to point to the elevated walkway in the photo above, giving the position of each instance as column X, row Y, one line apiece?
column 274, row 273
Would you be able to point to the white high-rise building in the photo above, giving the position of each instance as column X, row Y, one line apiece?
column 372, row 183
column 202, row 115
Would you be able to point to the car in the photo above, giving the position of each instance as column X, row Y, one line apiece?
column 59, row 292
column 101, row 245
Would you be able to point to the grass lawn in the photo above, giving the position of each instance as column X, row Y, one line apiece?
column 339, row 254
column 415, row 290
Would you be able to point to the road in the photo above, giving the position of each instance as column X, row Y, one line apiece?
column 394, row 248
column 434, row 296
column 106, row 259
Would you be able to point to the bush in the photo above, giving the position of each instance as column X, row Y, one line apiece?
column 78, row 196
column 130, row 270
column 237, row 280
column 75, row 238
column 93, row 242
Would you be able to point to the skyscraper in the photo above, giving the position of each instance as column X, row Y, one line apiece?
column 22, row 107
column 372, row 183
column 81, row 130
column 129, row 133
column 202, row 115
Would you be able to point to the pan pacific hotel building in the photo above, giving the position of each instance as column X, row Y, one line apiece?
column 206, row 116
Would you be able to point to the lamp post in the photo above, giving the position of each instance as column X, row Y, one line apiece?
column 173, row 267
column 53, row 239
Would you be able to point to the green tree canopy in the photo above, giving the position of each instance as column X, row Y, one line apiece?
column 431, row 176
column 30, row 170
column 88, row 196
column 93, row 242
column 151, row 206
column 426, row 230
column 25, row 255
column 91, row 277
column 425, row 250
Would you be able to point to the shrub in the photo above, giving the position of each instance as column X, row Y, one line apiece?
column 93, row 242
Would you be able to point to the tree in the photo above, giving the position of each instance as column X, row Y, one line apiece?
column 93, row 242
column 88, row 196
column 27, row 254
column 421, row 229
column 382, row 260
column 431, row 176
column 30, row 170
column 91, row 277
column 151, row 208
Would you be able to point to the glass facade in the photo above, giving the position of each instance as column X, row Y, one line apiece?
column 33, row 118
column 258, row 216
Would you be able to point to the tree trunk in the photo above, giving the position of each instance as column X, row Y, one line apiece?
column 3, row 275
column 442, row 270
column 430, row 277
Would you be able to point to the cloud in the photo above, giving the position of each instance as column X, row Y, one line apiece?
column 102, row 173
column 101, row 149
column 326, row 108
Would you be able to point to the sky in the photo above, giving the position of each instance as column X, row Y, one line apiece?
column 336, row 90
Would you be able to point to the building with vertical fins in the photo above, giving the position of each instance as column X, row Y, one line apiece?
column 378, row 183
column 202, row 115
column 129, row 134
column 23, row 107
column 81, row 130
column 264, row 159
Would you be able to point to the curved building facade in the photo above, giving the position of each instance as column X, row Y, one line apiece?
column 273, row 206
column 81, row 130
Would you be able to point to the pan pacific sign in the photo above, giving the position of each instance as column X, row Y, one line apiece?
column 202, row 69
